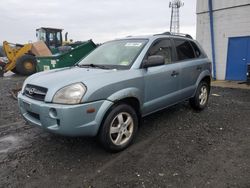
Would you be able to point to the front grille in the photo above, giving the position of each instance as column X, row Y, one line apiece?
column 35, row 92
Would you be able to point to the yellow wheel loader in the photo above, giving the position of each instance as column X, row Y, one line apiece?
column 21, row 58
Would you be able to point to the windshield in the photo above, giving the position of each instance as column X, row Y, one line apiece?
column 119, row 54
column 41, row 35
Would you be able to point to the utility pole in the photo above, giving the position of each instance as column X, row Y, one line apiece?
column 175, row 16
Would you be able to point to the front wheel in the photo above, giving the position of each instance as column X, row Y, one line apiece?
column 26, row 65
column 119, row 128
column 200, row 100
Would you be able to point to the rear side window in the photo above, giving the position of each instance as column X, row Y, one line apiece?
column 184, row 49
column 196, row 49
column 164, row 48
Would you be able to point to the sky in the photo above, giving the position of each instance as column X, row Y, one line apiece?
column 100, row 20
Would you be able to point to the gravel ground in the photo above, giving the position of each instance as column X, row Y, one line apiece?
column 176, row 147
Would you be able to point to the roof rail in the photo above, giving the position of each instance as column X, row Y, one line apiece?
column 176, row 34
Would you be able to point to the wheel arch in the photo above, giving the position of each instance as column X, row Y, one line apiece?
column 131, row 101
column 204, row 76
column 207, row 79
column 130, row 96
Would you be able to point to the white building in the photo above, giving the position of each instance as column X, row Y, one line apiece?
column 223, row 29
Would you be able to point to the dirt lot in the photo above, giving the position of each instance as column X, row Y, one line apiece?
column 176, row 147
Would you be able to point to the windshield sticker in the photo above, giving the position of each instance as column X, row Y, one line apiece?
column 133, row 44
column 124, row 63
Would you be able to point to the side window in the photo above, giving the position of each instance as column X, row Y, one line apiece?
column 184, row 49
column 163, row 48
column 196, row 49
column 51, row 36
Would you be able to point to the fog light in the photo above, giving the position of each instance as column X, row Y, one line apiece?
column 58, row 122
column 52, row 112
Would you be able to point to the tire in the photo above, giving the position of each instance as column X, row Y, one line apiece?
column 14, row 71
column 200, row 100
column 2, row 65
column 2, row 54
column 1, row 71
column 115, row 134
column 26, row 65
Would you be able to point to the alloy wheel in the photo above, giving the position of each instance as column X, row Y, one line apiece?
column 121, row 129
column 203, row 95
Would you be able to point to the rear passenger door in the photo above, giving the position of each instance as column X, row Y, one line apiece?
column 188, row 55
column 161, row 82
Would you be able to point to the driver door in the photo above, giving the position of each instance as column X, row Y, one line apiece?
column 161, row 83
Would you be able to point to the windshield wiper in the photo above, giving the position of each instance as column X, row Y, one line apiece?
column 92, row 65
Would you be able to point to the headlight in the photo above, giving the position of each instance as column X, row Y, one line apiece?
column 71, row 94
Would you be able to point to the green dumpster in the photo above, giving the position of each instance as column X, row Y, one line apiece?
column 65, row 59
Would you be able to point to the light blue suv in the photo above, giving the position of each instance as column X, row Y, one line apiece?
column 121, row 81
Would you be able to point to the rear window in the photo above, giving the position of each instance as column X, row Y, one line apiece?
column 184, row 49
column 196, row 49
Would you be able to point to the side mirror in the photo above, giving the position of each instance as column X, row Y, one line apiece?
column 154, row 60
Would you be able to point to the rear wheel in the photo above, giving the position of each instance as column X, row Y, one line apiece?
column 14, row 71
column 119, row 128
column 2, row 65
column 200, row 100
column 2, row 54
column 26, row 65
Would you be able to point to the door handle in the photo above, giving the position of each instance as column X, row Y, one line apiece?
column 174, row 73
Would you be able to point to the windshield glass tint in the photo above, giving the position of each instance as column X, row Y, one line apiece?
column 120, row 53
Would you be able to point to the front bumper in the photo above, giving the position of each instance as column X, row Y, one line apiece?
column 68, row 120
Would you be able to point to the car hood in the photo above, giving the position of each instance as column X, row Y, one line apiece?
column 54, row 80
column 65, row 76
